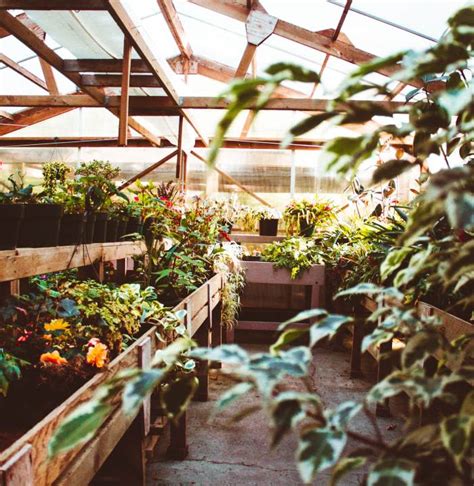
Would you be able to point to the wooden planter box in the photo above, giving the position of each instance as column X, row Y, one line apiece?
column 265, row 273
column 26, row 463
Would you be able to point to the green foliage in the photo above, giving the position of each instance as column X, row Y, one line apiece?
column 15, row 190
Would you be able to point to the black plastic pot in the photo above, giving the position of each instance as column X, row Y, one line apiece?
column 305, row 228
column 11, row 216
column 112, row 229
column 40, row 226
column 252, row 258
column 90, row 228
column 72, row 229
column 100, row 230
column 268, row 227
column 134, row 225
column 122, row 228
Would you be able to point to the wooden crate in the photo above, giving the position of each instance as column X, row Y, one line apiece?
column 26, row 463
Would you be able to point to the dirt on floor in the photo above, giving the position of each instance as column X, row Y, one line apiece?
column 222, row 452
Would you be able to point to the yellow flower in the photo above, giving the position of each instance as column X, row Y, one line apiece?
column 97, row 355
column 53, row 358
column 56, row 325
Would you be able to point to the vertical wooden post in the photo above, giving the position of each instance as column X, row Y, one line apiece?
column 121, row 270
column 124, row 94
column 145, row 362
column 178, row 448
column 356, row 370
column 179, row 160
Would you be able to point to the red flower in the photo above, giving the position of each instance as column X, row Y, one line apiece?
column 224, row 235
column 327, row 208
column 136, row 198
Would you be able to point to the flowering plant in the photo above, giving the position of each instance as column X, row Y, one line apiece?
column 302, row 214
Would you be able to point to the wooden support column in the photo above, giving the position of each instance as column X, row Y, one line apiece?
column 124, row 94
column 49, row 77
column 179, row 160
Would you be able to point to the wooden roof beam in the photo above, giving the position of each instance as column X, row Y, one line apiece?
column 115, row 80
column 223, row 73
column 176, row 27
column 37, row 45
column 237, row 9
column 53, row 5
column 23, row 71
column 131, row 31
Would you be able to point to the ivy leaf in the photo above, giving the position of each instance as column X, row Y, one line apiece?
column 391, row 169
column 377, row 337
column 456, row 436
column 392, row 472
column 340, row 417
column 175, row 396
column 230, row 396
column 286, row 338
column 79, row 427
column 319, row 449
column 345, row 465
column 328, row 327
column 364, row 288
column 393, row 261
column 419, row 347
column 303, row 316
column 227, row 353
column 136, row 390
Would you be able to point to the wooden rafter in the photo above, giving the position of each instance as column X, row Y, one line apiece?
column 130, row 30
column 237, row 9
column 176, row 27
column 148, row 105
column 53, row 4
column 232, row 180
column 115, row 80
column 223, row 73
column 49, row 77
column 27, row 21
column 149, row 169
column 22, row 71
column 124, row 93
column 102, row 66
column 37, row 45
column 31, row 116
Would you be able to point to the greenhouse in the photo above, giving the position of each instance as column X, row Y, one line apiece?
column 236, row 242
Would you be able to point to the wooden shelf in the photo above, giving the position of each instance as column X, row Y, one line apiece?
column 27, row 262
column 254, row 238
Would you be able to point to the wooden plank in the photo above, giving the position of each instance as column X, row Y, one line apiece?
column 49, row 77
column 18, row 470
column 115, row 80
column 146, row 171
column 179, row 158
column 246, row 60
column 266, row 273
column 176, row 28
column 259, row 26
column 52, row 5
column 144, row 362
column 124, row 93
column 255, row 238
column 23, row 71
column 76, row 101
column 102, row 66
column 237, row 9
column 26, row 262
column 31, row 116
column 266, row 325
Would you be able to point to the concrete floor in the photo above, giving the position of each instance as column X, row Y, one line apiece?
column 225, row 453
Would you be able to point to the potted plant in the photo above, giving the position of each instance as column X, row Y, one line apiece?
column 67, row 193
column 41, row 217
column 96, row 179
column 11, row 213
column 247, row 218
column 268, row 221
column 301, row 217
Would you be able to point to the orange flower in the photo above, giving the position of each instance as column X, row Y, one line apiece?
column 47, row 337
column 97, row 355
column 53, row 358
column 56, row 325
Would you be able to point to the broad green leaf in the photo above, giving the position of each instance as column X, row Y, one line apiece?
column 230, row 396
column 227, row 353
column 393, row 260
column 171, row 353
column 306, row 125
column 456, row 434
column 319, row 449
column 286, row 338
column 361, row 289
column 344, row 466
column 303, row 316
column 460, row 210
column 392, row 472
column 375, row 338
column 419, row 347
column 391, row 169
column 328, row 327
column 340, row 417
column 175, row 396
column 137, row 389
column 79, row 427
